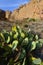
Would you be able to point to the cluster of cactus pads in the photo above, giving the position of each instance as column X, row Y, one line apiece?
column 16, row 47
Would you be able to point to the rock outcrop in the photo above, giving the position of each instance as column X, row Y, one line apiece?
column 33, row 9
column 2, row 14
column 8, row 14
column 5, row 15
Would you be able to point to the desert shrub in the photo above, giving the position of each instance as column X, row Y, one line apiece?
column 32, row 19
column 17, row 46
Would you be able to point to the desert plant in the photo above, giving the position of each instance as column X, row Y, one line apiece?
column 32, row 19
column 16, row 47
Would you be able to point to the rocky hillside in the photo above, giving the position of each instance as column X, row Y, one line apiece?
column 33, row 9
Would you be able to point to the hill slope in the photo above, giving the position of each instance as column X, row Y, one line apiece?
column 33, row 9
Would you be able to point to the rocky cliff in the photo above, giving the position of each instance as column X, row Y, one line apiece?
column 33, row 9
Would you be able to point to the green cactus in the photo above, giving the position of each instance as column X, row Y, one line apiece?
column 17, row 46
column 6, row 37
column 14, row 44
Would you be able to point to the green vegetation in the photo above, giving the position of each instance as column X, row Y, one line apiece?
column 17, row 46
column 31, row 19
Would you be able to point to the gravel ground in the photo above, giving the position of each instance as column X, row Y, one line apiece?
column 37, row 27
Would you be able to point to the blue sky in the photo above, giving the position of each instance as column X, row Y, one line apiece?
column 11, row 4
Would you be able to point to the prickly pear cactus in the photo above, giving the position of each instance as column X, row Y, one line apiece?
column 16, row 47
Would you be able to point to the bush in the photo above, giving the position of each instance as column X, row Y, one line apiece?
column 32, row 19
column 16, row 47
